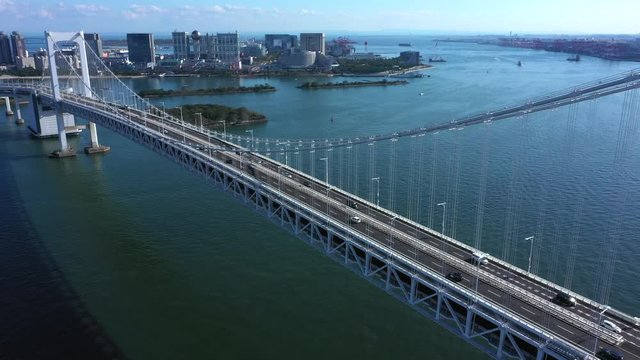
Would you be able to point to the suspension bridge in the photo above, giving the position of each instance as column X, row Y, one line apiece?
column 312, row 188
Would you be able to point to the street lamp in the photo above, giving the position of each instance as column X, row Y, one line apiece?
column 444, row 212
column 224, row 127
column 184, row 135
column 377, row 180
column 162, row 103
column 326, row 170
column 200, row 116
column 326, row 178
column 595, row 345
column 250, row 131
column 530, row 238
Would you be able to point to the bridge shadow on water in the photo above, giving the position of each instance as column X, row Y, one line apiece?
column 42, row 316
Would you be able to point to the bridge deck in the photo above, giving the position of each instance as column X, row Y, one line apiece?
column 508, row 287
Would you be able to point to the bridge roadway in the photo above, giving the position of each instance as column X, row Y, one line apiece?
column 508, row 287
column 523, row 294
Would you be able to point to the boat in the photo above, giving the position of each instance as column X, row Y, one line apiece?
column 158, row 75
column 437, row 59
column 405, row 44
column 519, row 63
column 574, row 58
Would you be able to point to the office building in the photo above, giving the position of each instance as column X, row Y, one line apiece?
column 228, row 48
column 141, row 49
column 18, row 46
column 280, row 42
column 41, row 61
column 6, row 55
column 181, row 44
column 312, row 42
column 94, row 42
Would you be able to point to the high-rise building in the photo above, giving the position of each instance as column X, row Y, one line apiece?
column 94, row 41
column 6, row 56
column 280, row 42
column 18, row 46
column 228, row 47
column 312, row 42
column 181, row 43
column 141, row 48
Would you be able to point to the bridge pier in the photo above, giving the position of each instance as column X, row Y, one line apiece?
column 95, row 147
column 65, row 150
column 7, row 104
column 19, row 119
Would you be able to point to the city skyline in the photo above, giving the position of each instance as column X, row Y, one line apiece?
column 463, row 16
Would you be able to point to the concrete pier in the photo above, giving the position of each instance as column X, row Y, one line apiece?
column 7, row 103
column 19, row 119
column 95, row 147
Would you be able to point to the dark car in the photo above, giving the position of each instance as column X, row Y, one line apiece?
column 229, row 161
column 454, row 276
column 564, row 299
column 352, row 204
column 609, row 354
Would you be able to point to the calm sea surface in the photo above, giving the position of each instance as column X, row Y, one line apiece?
column 130, row 255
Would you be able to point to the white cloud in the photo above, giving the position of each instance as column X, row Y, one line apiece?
column 308, row 12
column 90, row 9
column 6, row 5
column 45, row 14
column 137, row 11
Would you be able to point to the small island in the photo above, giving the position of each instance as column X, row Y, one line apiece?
column 217, row 116
column 211, row 91
column 312, row 85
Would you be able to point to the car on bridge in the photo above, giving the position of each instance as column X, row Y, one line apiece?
column 479, row 258
column 610, row 325
column 454, row 276
column 564, row 299
column 355, row 220
column 608, row 354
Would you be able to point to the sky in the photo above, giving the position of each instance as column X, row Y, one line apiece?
column 355, row 16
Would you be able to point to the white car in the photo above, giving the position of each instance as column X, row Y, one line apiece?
column 355, row 220
column 610, row 325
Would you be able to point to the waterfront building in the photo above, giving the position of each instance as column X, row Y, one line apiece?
column 312, row 42
column 181, row 44
column 254, row 50
column 410, row 58
column 40, row 60
column 18, row 46
column 25, row 62
column 297, row 58
column 6, row 56
column 280, row 42
column 141, row 49
column 228, row 48
column 94, row 42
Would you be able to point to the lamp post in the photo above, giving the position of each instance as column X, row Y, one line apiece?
column 250, row 131
column 162, row 103
column 530, row 238
column 200, row 116
column 224, row 128
column 326, row 179
column 326, row 170
column 184, row 135
column 595, row 345
column 377, row 180
column 444, row 213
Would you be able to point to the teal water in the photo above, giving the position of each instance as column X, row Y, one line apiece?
column 172, row 268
